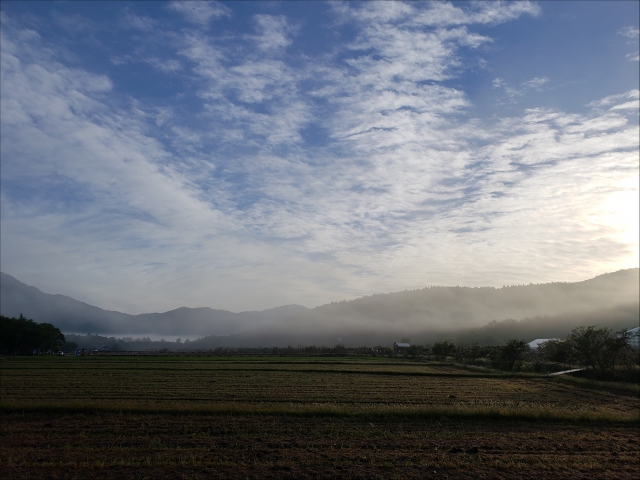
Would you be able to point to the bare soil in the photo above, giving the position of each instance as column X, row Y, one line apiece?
column 117, row 445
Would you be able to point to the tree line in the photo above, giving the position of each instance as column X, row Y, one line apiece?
column 604, row 354
column 22, row 336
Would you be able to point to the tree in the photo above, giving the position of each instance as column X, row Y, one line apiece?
column 415, row 351
column 20, row 336
column 596, row 348
column 556, row 351
column 443, row 349
column 469, row 354
column 383, row 350
column 512, row 352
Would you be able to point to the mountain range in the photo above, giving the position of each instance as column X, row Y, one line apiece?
column 433, row 313
column 73, row 316
column 425, row 314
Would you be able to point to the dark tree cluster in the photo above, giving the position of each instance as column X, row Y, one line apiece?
column 604, row 354
column 21, row 336
column 599, row 350
column 444, row 349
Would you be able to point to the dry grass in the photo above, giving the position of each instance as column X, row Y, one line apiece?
column 287, row 388
column 274, row 418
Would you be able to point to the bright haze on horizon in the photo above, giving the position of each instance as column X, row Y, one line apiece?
column 246, row 155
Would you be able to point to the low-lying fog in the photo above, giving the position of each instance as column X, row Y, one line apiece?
column 610, row 299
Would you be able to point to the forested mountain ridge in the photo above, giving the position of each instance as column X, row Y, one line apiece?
column 74, row 316
column 419, row 314
column 623, row 317
column 424, row 315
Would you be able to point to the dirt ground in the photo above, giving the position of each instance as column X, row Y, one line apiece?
column 127, row 445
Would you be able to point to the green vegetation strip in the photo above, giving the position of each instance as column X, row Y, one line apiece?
column 455, row 412
column 111, row 368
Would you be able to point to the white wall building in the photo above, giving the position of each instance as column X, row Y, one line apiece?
column 634, row 339
column 539, row 341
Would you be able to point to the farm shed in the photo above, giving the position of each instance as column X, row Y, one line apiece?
column 400, row 347
column 538, row 342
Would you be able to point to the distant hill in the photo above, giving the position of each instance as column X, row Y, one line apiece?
column 422, row 315
column 558, row 326
column 70, row 315
column 425, row 315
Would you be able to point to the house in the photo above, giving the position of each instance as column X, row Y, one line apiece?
column 539, row 342
column 400, row 347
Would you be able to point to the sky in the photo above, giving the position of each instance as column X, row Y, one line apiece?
column 245, row 155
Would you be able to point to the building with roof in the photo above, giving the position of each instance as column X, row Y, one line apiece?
column 400, row 347
column 533, row 345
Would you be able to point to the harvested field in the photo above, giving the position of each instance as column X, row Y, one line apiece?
column 341, row 386
column 163, row 418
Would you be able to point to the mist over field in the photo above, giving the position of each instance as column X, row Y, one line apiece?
column 427, row 314
column 421, row 315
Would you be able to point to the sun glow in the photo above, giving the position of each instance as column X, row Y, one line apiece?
column 620, row 211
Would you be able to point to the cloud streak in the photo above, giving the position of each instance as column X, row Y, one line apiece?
column 293, row 178
column 200, row 13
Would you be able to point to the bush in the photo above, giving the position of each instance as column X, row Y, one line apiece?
column 444, row 349
column 597, row 349
column 21, row 336
column 512, row 353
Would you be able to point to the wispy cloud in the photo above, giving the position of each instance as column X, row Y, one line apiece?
column 616, row 99
column 536, row 82
column 296, row 178
column 629, row 32
column 137, row 22
column 512, row 93
column 201, row 13
column 440, row 14
column 255, row 99
column 274, row 31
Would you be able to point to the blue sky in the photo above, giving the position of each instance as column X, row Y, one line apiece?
column 245, row 155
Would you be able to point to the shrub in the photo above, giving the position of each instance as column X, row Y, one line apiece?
column 443, row 350
column 512, row 353
column 597, row 349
